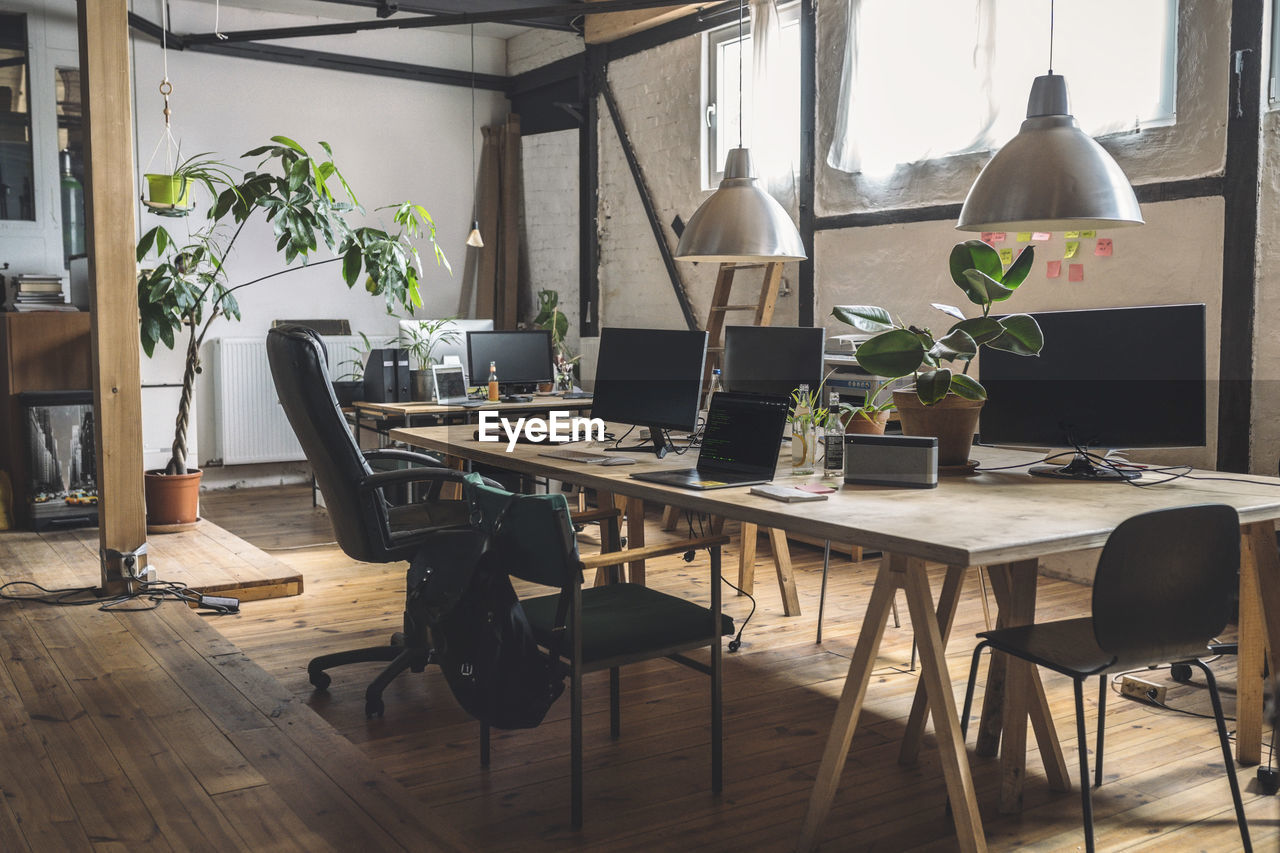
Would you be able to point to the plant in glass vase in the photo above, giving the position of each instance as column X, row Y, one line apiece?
column 807, row 418
column 945, row 402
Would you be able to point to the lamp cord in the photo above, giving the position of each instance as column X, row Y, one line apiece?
column 1051, row 3
column 473, row 121
column 741, row 119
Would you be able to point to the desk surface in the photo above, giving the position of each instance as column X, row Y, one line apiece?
column 993, row 517
column 540, row 402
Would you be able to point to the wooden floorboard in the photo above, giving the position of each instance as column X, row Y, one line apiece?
column 650, row 790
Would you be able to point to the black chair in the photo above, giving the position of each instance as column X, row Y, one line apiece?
column 601, row 627
column 366, row 525
column 1163, row 590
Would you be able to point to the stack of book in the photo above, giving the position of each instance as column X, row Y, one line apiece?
column 36, row 292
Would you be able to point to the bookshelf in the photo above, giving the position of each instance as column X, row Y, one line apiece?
column 39, row 351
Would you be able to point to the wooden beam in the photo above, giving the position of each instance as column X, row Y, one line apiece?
column 808, row 156
column 600, row 29
column 111, row 231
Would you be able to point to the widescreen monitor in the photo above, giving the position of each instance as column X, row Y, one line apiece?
column 520, row 358
column 455, row 347
column 651, row 378
column 1106, row 378
column 772, row 359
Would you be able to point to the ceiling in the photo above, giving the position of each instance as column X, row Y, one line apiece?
column 364, row 10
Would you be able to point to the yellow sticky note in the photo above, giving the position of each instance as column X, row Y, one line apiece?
column 1072, row 235
column 1006, row 256
column 1024, row 236
column 1073, row 246
column 1088, row 235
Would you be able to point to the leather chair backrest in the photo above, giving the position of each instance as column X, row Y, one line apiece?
column 1165, row 582
column 300, row 372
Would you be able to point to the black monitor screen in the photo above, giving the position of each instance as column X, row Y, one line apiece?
column 519, row 358
column 651, row 377
column 772, row 359
column 1110, row 378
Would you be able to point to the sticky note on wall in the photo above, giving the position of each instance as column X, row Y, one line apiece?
column 1088, row 235
column 1024, row 236
column 1006, row 256
column 1075, row 272
column 1071, row 235
column 1103, row 248
column 1073, row 246
column 1054, row 269
column 1041, row 236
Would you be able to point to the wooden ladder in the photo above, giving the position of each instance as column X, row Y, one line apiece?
column 762, row 309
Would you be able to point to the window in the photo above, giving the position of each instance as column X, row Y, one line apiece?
column 17, row 168
column 931, row 78
column 722, row 125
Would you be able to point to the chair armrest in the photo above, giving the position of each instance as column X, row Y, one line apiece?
column 588, row 516
column 614, row 558
column 400, row 455
column 383, row 479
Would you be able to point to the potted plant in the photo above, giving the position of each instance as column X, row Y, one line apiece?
column 170, row 192
column 424, row 337
column 188, row 288
column 872, row 416
column 945, row 402
column 347, row 387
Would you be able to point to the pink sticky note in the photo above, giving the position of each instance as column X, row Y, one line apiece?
column 1054, row 270
column 998, row 236
column 1103, row 247
column 988, row 237
column 1041, row 236
column 1075, row 272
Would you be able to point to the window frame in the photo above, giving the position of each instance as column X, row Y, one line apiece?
column 709, row 123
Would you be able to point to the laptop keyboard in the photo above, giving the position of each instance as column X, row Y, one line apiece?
column 576, row 455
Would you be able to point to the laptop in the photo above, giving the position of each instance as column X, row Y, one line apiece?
column 451, row 384
column 740, row 444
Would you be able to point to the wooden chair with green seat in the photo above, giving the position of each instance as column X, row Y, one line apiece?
column 601, row 627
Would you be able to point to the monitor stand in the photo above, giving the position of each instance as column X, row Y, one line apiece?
column 657, row 445
column 1082, row 468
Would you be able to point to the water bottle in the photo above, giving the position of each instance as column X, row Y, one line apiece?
column 833, row 441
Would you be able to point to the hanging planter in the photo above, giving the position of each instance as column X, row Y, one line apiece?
column 168, row 191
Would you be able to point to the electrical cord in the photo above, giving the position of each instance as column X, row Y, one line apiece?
column 151, row 593
column 736, row 642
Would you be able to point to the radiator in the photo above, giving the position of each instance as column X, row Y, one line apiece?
column 249, row 425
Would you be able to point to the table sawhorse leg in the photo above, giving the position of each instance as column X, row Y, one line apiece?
column 1259, row 631
column 908, row 573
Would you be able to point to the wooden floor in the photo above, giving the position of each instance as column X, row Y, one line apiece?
column 1164, row 787
column 146, row 730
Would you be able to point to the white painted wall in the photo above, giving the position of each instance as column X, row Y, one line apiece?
column 393, row 140
column 551, row 220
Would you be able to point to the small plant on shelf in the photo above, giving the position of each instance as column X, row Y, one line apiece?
column 425, row 336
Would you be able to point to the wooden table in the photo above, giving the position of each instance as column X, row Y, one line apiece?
column 1004, row 520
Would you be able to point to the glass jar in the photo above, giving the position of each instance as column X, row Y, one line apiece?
column 804, row 447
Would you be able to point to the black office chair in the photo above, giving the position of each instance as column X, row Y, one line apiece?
column 1162, row 591
column 601, row 627
column 367, row 526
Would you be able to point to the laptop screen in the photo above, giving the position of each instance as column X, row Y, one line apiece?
column 743, row 433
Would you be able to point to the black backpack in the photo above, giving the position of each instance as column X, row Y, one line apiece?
column 482, row 639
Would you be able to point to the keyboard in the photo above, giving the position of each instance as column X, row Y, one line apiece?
column 576, row 455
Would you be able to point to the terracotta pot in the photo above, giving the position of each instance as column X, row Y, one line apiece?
column 173, row 498
column 874, row 425
column 953, row 421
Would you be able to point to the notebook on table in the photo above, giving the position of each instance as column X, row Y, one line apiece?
column 740, row 444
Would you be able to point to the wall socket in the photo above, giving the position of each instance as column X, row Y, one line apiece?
column 1141, row 689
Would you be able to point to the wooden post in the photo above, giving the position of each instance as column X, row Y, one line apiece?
column 111, row 234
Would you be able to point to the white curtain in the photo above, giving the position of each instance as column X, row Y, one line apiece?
column 772, row 100
column 930, row 78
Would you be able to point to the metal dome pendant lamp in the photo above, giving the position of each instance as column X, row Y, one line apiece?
column 740, row 221
column 474, row 239
column 1052, row 176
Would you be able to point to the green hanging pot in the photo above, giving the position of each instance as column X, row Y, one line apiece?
column 168, row 190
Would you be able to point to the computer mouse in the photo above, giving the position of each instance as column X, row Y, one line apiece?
column 619, row 460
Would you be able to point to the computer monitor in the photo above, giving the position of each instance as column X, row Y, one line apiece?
column 772, row 359
column 457, row 347
column 522, row 359
column 1106, row 378
column 652, row 378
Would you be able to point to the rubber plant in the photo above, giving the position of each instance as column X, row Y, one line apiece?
column 307, row 203
column 897, row 349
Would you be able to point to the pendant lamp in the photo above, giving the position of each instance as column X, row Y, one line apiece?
column 474, row 239
column 740, row 221
column 1052, row 176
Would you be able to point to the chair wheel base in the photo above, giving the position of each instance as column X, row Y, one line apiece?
column 320, row 680
column 1180, row 672
column 373, row 708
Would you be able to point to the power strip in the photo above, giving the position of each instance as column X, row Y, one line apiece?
column 1142, row 690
